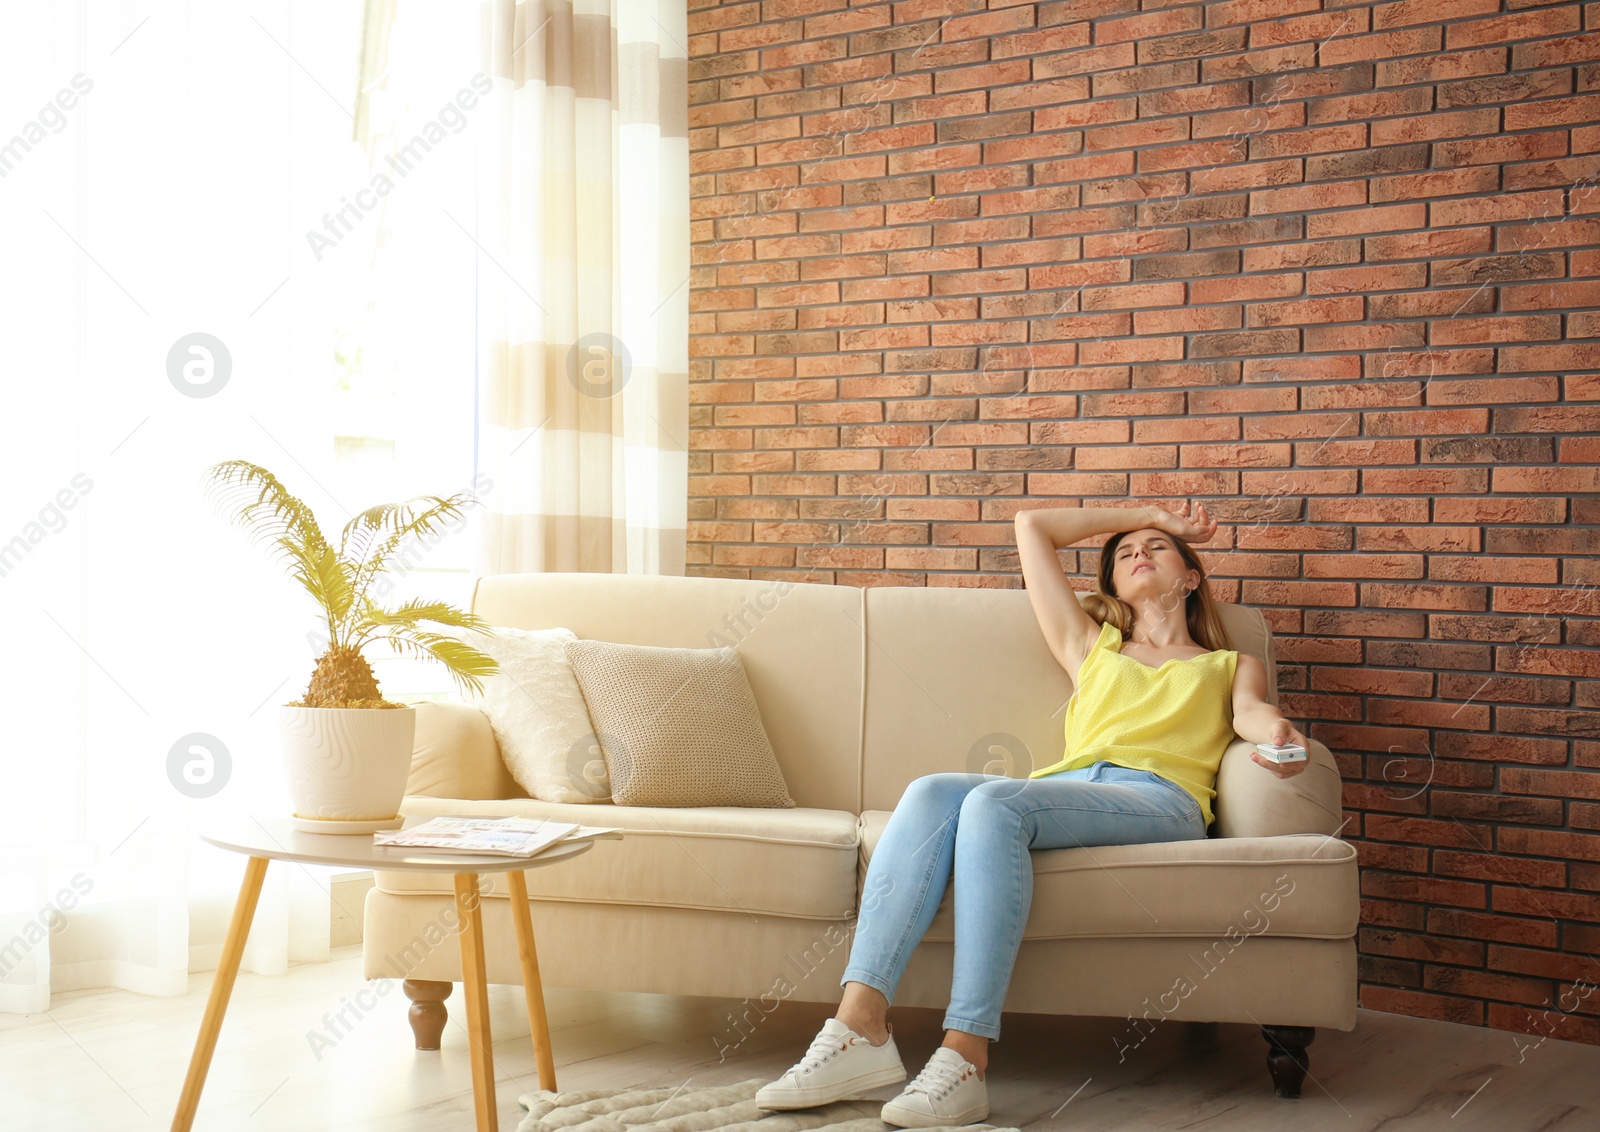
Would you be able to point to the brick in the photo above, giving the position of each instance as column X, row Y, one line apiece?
column 1090, row 61
column 1252, row 11
column 861, row 558
column 1319, row 27
column 1430, row 890
column 1290, row 57
column 1545, row 1022
column 1389, row 972
column 1376, row 855
column 1425, row 831
column 843, row 23
column 1500, row 929
column 1152, row 77
column 1550, row 965
column 1385, row 941
column 1510, row 870
column 752, row 462
column 930, row 559
column 965, row 510
column 1040, row 42
column 1053, row 91
column 1477, row 807
column 876, row 533
column 1549, row 843
column 1384, row 45
column 1512, row 89
column 1219, row 41
column 1556, row 52
column 1147, row 25
column 1552, row 112
column 837, row 460
column 1554, row 783
column 1554, row 905
column 1426, row 68
column 931, row 54
column 1441, row 1008
column 1485, row 984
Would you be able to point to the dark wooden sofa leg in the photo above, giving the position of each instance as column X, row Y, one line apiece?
column 428, row 1011
column 1288, row 1060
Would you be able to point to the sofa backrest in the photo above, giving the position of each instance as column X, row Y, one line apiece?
column 800, row 644
column 961, row 679
column 860, row 690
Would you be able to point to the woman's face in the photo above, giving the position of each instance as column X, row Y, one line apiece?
column 1147, row 564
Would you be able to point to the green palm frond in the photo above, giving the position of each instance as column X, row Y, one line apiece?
column 326, row 578
column 257, row 500
column 466, row 664
column 337, row 580
column 414, row 611
column 363, row 529
column 333, row 576
column 400, row 523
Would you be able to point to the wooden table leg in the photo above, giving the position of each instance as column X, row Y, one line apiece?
column 244, row 910
column 532, row 987
column 475, row 989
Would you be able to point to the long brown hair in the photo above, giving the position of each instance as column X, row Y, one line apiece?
column 1200, row 611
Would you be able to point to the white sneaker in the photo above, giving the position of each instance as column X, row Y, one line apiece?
column 839, row 1063
column 947, row 1091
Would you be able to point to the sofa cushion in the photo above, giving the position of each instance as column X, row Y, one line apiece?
column 955, row 674
column 678, row 727
column 1300, row 885
column 454, row 755
column 801, row 644
column 797, row 862
column 538, row 714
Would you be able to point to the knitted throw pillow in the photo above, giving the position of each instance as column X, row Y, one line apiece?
column 678, row 727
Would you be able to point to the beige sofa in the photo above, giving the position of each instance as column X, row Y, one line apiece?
column 861, row 691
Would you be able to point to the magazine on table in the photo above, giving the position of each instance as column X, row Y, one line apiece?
column 512, row 837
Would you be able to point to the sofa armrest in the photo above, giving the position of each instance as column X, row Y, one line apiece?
column 455, row 755
column 1253, row 802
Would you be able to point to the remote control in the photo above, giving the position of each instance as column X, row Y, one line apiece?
column 1288, row 753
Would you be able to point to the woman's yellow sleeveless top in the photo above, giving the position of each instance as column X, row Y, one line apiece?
column 1175, row 720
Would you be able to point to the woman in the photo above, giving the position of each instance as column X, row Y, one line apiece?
column 1162, row 697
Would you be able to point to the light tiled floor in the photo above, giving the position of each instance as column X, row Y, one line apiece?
column 106, row 1060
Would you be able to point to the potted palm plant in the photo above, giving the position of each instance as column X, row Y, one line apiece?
column 347, row 749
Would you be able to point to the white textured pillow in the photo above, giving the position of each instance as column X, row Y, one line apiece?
column 538, row 715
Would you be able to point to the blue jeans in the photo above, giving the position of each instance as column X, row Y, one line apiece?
column 981, row 826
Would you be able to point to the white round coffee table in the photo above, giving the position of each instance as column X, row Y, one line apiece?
column 276, row 839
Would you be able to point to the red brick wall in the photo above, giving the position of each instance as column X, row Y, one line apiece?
column 1332, row 267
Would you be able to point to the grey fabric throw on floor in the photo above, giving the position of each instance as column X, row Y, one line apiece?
column 686, row 1108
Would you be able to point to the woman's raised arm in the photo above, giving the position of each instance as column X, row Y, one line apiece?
column 1067, row 629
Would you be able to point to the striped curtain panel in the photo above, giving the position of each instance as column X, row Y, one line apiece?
column 583, row 233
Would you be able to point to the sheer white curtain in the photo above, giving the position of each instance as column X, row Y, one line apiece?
column 190, row 243
column 584, row 286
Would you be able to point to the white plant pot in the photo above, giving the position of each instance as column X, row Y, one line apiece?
column 347, row 767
